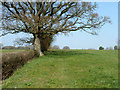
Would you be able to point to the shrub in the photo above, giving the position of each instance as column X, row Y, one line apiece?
column 13, row 60
column 101, row 48
column 22, row 48
column 115, row 47
column 66, row 47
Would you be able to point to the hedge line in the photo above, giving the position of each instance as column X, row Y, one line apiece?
column 13, row 60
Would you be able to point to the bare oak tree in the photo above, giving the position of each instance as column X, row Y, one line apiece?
column 46, row 19
column 23, row 41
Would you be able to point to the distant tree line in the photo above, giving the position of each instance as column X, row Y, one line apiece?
column 20, row 47
column 109, row 48
column 31, row 47
column 57, row 47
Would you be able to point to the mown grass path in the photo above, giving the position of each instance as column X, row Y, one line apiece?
column 68, row 69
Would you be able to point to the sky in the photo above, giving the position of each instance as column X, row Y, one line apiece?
column 107, row 35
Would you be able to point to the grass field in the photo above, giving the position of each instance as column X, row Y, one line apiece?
column 68, row 69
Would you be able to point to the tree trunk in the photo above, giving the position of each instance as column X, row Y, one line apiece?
column 37, row 46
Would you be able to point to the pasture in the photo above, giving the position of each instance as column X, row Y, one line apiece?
column 68, row 69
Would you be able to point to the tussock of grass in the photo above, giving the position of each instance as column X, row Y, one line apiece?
column 68, row 69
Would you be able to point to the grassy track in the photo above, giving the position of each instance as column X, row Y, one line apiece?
column 68, row 69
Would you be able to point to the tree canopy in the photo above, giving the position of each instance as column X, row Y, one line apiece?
column 50, row 17
column 45, row 19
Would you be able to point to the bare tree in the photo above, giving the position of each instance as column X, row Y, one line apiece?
column 66, row 47
column 25, row 41
column 55, row 47
column 46, row 19
column 109, row 48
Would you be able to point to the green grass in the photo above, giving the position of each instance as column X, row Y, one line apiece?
column 68, row 69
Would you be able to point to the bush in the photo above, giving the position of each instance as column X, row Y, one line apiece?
column 13, row 60
column 115, row 47
column 66, row 47
column 22, row 48
column 46, row 42
column 101, row 48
